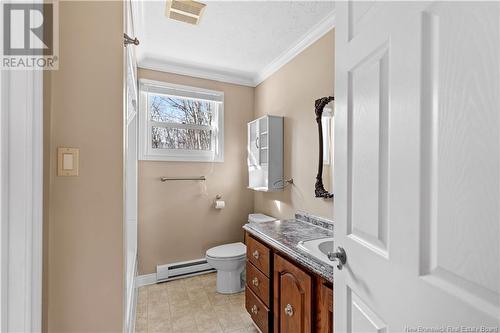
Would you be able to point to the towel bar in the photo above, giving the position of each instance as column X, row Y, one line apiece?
column 200, row 178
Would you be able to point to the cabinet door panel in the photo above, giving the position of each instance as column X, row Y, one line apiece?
column 253, row 143
column 292, row 298
column 324, row 308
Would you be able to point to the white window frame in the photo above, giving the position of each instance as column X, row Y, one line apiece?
column 148, row 153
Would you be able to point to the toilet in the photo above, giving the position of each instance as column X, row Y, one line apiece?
column 229, row 261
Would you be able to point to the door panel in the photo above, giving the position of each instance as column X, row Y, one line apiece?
column 417, row 171
column 368, row 141
column 362, row 318
column 460, row 177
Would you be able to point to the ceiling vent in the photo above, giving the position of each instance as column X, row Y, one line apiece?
column 185, row 11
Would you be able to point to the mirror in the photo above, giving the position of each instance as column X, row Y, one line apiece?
column 319, row 108
column 327, row 126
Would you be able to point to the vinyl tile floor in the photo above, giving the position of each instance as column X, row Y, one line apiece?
column 191, row 305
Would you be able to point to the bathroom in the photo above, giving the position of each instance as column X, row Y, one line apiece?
column 184, row 167
column 192, row 205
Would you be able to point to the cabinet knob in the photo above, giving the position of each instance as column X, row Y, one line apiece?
column 255, row 281
column 255, row 254
column 289, row 310
column 254, row 309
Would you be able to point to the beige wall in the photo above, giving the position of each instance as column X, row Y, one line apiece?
column 83, row 247
column 291, row 92
column 176, row 219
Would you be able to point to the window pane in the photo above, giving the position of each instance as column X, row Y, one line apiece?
column 180, row 138
column 180, row 110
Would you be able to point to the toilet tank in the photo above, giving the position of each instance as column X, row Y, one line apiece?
column 258, row 218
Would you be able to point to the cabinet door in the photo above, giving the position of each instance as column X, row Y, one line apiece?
column 253, row 143
column 263, row 140
column 292, row 298
column 325, row 309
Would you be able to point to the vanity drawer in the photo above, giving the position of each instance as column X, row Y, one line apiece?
column 258, row 282
column 258, row 254
column 257, row 310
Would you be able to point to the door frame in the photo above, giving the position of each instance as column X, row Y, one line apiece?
column 130, row 193
column 21, row 196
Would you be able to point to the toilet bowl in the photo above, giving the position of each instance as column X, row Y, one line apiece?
column 229, row 261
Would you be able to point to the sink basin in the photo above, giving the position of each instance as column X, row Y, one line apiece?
column 318, row 248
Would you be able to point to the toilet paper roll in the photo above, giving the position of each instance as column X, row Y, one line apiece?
column 219, row 204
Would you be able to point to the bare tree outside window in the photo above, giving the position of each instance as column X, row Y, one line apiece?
column 180, row 123
column 175, row 110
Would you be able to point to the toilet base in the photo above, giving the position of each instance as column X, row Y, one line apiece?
column 229, row 282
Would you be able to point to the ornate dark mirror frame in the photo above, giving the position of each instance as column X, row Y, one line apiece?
column 319, row 190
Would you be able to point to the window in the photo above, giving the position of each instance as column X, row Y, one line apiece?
column 180, row 123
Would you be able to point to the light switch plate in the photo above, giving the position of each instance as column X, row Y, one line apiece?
column 67, row 161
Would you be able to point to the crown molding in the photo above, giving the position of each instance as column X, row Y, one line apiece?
column 315, row 33
column 238, row 77
column 195, row 70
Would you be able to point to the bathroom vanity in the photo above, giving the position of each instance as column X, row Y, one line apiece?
column 288, row 289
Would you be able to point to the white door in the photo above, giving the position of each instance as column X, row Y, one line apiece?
column 130, row 171
column 417, row 178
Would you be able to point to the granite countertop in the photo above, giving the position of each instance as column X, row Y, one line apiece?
column 285, row 235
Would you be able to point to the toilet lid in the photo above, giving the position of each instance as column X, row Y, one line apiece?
column 227, row 250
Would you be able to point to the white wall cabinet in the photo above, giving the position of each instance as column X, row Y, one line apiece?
column 265, row 154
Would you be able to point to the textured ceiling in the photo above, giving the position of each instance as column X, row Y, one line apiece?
column 233, row 36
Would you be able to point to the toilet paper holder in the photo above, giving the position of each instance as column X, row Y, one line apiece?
column 218, row 203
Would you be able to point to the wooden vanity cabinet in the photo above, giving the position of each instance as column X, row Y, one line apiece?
column 281, row 296
column 292, row 297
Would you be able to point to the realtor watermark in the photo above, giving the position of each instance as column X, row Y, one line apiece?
column 30, row 35
column 451, row 329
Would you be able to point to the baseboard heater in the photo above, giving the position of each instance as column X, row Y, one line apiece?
column 182, row 269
